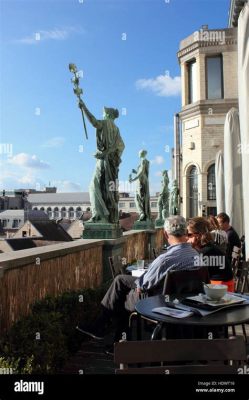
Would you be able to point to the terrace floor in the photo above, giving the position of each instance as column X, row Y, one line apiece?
column 92, row 359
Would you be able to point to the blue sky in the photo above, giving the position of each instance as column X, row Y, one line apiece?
column 42, row 138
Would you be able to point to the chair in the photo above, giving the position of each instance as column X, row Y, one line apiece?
column 243, row 278
column 236, row 264
column 180, row 282
column 177, row 282
column 186, row 356
column 155, row 255
column 115, row 266
column 185, row 281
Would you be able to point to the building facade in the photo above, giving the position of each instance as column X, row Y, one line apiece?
column 73, row 205
column 208, row 61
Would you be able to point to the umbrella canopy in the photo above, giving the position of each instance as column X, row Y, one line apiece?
column 219, row 178
column 233, row 170
column 243, row 83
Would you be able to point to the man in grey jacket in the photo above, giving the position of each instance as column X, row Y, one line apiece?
column 124, row 291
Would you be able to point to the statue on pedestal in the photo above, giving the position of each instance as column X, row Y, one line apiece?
column 103, row 188
column 174, row 199
column 142, row 196
column 163, row 200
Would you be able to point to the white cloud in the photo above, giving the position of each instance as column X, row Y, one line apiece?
column 28, row 161
column 56, row 141
column 162, row 85
column 158, row 160
column 67, row 186
column 53, row 34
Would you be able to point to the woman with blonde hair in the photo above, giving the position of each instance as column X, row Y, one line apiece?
column 219, row 236
column 219, row 267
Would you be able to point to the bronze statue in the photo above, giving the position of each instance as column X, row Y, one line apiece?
column 174, row 199
column 103, row 188
column 163, row 199
column 142, row 197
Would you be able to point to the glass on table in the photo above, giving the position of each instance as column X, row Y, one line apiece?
column 140, row 264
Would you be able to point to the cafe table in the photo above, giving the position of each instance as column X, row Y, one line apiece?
column 227, row 317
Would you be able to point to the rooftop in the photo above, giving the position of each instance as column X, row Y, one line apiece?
column 77, row 197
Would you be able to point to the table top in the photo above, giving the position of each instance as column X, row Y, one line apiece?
column 227, row 317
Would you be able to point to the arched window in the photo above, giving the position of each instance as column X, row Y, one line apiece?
column 42, row 209
column 78, row 212
column 56, row 212
column 193, row 192
column 49, row 212
column 63, row 212
column 35, row 208
column 71, row 212
column 211, row 185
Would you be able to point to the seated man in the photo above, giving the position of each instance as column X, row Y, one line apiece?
column 123, row 293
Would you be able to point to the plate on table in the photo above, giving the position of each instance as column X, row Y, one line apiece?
column 226, row 300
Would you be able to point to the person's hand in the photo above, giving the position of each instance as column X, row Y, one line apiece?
column 138, row 290
column 134, row 171
column 81, row 103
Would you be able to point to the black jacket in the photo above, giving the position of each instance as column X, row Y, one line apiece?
column 219, row 266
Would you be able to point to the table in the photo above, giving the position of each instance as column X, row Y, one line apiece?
column 237, row 315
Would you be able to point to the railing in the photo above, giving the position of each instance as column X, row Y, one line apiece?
column 29, row 275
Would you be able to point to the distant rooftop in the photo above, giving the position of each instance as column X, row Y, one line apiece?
column 54, row 198
column 28, row 214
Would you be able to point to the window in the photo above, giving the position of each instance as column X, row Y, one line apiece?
column 214, row 74
column 42, row 209
column 211, row 186
column 56, row 212
column 78, row 212
column 15, row 223
column 49, row 212
column 153, row 204
column 121, row 205
column 63, row 212
column 212, row 211
column 193, row 192
column 132, row 205
column 71, row 212
column 35, row 208
column 4, row 223
column 192, row 82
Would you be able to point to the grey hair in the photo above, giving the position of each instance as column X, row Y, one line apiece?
column 175, row 226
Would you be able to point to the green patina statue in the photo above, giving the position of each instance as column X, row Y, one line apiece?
column 103, row 188
column 163, row 199
column 174, row 199
column 142, row 197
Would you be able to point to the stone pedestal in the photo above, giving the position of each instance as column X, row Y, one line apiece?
column 159, row 223
column 143, row 225
column 93, row 230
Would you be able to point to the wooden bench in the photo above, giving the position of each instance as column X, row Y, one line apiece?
column 190, row 356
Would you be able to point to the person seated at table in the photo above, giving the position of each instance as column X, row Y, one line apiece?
column 124, row 291
column 219, row 266
column 232, row 236
column 219, row 236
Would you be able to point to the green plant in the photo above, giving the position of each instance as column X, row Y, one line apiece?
column 42, row 341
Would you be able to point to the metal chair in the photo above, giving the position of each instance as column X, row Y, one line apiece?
column 115, row 266
column 180, row 282
column 176, row 282
column 186, row 356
